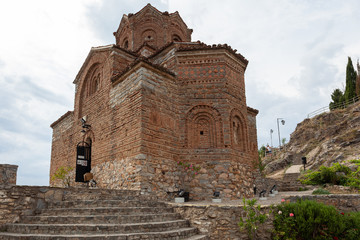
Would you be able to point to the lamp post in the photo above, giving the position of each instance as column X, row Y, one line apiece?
column 303, row 159
column 271, row 132
column 283, row 123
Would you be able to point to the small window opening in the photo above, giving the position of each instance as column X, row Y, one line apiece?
column 126, row 44
column 201, row 132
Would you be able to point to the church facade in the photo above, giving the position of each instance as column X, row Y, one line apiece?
column 160, row 113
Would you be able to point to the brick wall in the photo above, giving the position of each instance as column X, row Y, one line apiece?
column 152, row 27
column 184, row 103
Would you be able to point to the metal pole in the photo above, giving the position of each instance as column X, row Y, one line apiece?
column 278, row 132
column 271, row 132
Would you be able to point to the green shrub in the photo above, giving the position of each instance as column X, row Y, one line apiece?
column 320, row 191
column 253, row 218
column 356, row 161
column 337, row 174
column 312, row 220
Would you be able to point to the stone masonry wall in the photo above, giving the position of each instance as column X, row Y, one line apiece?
column 164, row 177
column 217, row 221
column 232, row 179
column 17, row 201
column 221, row 221
column 8, row 174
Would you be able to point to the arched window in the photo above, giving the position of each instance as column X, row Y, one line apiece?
column 126, row 44
column 149, row 36
column 176, row 38
column 94, row 82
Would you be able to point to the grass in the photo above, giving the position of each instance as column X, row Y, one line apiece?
column 320, row 191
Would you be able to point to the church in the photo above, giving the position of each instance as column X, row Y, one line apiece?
column 157, row 112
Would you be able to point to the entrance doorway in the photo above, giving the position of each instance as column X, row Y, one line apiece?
column 83, row 159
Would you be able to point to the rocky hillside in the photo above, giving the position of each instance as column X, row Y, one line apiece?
column 323, row 140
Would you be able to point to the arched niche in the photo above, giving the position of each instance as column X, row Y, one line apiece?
column 239, row 131
column 203, row 128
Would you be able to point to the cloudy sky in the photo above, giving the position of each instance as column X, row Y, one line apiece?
column 297, row 52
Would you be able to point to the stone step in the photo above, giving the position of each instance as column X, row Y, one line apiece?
column 181, row 233
column 105, row 203
column 198, row 237
column 95, row 228
column 105, row 211
column 102, row 219
column 92, row 196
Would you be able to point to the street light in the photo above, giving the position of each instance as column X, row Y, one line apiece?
column 283, row 123
column 271, row 132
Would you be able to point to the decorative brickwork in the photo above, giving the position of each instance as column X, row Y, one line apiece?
column 156, row 98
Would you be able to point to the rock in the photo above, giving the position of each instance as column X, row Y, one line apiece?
column 224, row 176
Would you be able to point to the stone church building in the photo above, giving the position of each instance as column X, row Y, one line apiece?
column 154, row 102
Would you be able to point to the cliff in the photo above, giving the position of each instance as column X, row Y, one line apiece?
column 324, row 139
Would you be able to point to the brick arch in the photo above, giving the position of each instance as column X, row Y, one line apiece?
column 149, row 35
column 143, row 28
column 203, row 127
column 239, row 131
column 176, row 38
column 125, row 43
column 89, row 85
column 176, row 29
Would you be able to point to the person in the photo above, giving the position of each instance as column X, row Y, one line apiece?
column 268, row 149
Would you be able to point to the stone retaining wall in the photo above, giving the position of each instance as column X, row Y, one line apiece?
column 17, row 201
column 165, row 178
column 8, row 174
column 221, row 221
column 217, row 221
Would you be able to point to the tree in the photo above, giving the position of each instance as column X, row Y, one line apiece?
column 338, row 98
column 262, row 151
column 62, row 173
column 350, row 88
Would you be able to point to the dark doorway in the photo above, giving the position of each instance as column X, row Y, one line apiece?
column 83, row 160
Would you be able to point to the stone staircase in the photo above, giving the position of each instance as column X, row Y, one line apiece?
column 91, row 215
